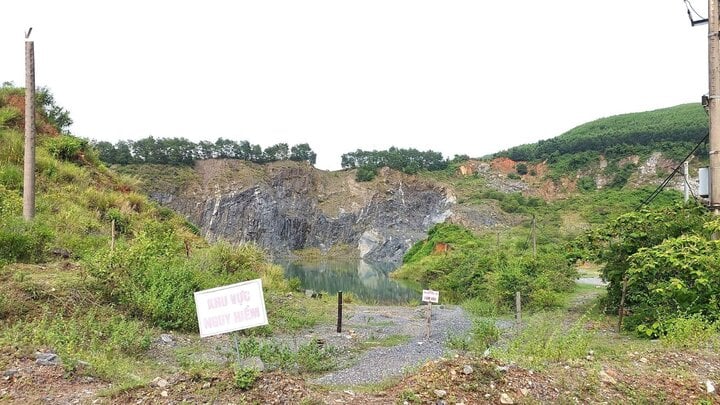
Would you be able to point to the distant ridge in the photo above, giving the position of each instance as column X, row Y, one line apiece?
column 625, row 133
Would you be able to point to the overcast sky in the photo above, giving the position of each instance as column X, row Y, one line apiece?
column 459, row 77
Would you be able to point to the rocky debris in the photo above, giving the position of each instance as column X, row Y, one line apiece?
column 313, row 294
column 506, row 399
column 606, row 378
column 254, row 363
column 61, row 252
column 440, row 393
column 166, row 338
column 47, row 359
column 502, row 369
column 468, row 369
column 159, row 382
column 9, row 373
column 709, row 387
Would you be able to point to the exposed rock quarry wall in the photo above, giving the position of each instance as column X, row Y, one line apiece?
column 287, row 206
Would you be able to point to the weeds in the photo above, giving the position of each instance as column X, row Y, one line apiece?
column 545, row 340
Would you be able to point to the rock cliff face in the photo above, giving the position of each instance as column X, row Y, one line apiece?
column 287, row 206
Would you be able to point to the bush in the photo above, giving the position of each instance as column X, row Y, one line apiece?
column 154, row 280
column 693, row 332
column 66, row 147
column 22, row 241
column 586, row 183
column 10, row 117
column 521, row 169
column 245, row 377
column 11, row 177
column 365, row 173
column 485, row 334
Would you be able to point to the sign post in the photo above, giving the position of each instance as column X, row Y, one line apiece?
column 430, row 296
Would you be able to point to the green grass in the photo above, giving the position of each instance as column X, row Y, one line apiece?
column 386, row 341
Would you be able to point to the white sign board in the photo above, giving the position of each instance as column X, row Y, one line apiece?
column 431, row 296
column 230, row 308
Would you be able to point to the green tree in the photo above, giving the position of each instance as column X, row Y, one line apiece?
column 302, row 152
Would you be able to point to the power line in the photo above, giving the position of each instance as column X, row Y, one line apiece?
column 672, row 174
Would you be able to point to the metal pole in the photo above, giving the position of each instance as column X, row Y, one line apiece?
column 713, row 101
column 237, row 349
column 518, row 307
column 429, row 316
column 686, row 176
column 339, row 319
column 29, row 159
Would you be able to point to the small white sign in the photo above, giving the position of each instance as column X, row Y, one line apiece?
column 431, row 296
column 230, row 308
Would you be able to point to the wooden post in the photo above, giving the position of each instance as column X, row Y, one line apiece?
column 339, row 316
column 518, row 307
column 29, row 159
column 621, row 310
column 187, row 248
column 534, row 239
column 112, row 235
column 429, row 316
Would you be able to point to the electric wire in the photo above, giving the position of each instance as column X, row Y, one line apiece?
column 675, row 171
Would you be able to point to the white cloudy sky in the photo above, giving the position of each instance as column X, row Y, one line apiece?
column 457, row 76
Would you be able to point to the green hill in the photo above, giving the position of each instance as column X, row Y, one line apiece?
column 672, row 130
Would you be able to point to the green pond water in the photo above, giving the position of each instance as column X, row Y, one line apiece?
column 369, row 282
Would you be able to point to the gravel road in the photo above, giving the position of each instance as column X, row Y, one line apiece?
column 363, row 323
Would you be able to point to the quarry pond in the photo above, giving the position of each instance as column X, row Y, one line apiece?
column 369, row 282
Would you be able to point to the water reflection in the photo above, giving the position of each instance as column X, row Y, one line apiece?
column 369, row 282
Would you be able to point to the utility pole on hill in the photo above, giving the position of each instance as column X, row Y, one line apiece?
column 29, row 159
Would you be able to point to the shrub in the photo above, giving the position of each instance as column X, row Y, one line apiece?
column 11, row 177
column 485, row 334
column 22, row 241
column 154, row 280
column 586, row 183
column 66, row 147
column 365, row 173
column 10, row 117
column 521, row 169
column 693, row 332
column 122, row 221
column 245, row 377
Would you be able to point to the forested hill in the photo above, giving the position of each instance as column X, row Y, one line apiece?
column 673, row 130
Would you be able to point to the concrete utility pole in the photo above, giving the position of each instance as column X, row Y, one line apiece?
column 29, row 163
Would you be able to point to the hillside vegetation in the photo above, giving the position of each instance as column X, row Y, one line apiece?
column 623, row 135
column 68, row 286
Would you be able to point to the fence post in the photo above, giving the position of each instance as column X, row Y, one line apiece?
column 518, row 307
column 621, row 310
column 339, row 316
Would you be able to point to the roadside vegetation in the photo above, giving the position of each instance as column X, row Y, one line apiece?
column 98, row 301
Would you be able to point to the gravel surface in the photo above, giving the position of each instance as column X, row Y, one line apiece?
column 379, row 322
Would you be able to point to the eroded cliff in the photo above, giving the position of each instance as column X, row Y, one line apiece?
column 286, row 206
